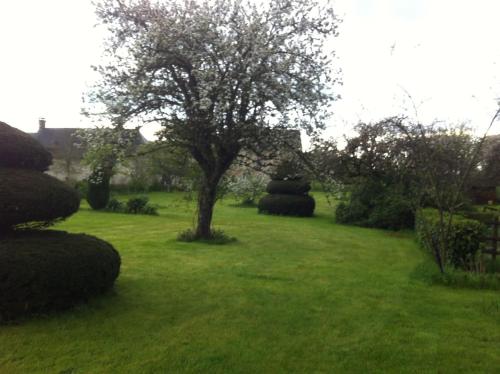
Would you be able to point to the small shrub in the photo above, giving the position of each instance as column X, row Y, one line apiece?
column 290, row 205
column 218, row 237
column 136, row 205
column 464, row 237
column 50, row 270
column 115, row 206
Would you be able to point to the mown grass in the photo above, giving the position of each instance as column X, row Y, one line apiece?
column 296, row 295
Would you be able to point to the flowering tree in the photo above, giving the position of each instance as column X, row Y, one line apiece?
column 217, row 74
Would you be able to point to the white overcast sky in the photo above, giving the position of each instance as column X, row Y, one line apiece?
column 445, row 53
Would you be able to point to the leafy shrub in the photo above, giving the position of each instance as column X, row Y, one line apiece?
column 248, row 187
column 464, row 237
column 20, row 150
column 354, row 212
column 290, row 205
column 374, row 205
column 32, row 199
column 392, row 212
column 135, row 205
column 115, row 206
column 217, row 237
column 49, row 270
column 292, row 187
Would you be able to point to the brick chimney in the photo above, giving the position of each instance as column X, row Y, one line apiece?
column 41, row 124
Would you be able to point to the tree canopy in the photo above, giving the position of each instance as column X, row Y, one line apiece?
column 217, row 74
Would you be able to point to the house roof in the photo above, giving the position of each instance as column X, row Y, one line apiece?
column 63, row 143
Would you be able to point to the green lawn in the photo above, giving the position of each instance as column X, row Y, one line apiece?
column 299, row 295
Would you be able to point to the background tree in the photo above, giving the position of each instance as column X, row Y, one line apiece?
column 217, row 74
column 104, row 148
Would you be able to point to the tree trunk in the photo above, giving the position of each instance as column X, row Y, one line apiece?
column 206, row 202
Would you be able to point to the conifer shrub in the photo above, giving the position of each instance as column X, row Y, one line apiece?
column 98, row 194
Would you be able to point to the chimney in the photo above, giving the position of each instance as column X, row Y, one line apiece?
column 41, row 124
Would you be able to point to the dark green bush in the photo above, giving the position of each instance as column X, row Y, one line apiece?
column 33, row 198
column 20, row 150
column 115, row 206
column 464, row 237
column 98, row 194
column 352, row 212
column 293, row 187
column 392, row 212
column 48, row 270
column 137, row 204
column 374, row 205
column 290, row 205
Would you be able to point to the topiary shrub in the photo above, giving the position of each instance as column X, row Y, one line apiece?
column 43, row 270
column 31, row 198
column 464, row 237
column 20, row 150
column 98, row 194
column 49, row 270
column 290, row 205
column 292, row 187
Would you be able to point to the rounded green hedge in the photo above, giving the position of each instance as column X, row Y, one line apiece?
column 20, row 150
column 289, row 205
column 33, row 198
column 50, row 270
column 293, row 187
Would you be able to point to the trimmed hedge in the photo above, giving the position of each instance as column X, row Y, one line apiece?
column 20, row 150
column 290, row 205
column 50, row 270
column 292, row 187
column 464, row 237
column 33, row 198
